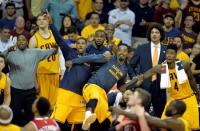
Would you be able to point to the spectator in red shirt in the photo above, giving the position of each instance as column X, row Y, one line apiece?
column 161, row 11
column 20, row 28
column 193, row 8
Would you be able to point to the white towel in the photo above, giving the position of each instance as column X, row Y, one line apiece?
column 165, row 79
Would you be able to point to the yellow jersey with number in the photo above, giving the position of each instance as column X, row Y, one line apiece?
column 51, row 64
column 178, row 91
column 3, row 81
column 185, row 123
column 10, row 127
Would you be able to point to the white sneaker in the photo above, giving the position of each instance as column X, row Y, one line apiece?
column 89, row 119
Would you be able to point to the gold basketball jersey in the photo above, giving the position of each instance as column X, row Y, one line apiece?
column 178, row 91
column 3, row 81
column 51, row 64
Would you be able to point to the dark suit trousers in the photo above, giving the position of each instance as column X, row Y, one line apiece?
column 158, row 98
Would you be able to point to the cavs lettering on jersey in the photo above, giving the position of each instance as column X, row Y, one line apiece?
column 51, row 64
column 178, row 91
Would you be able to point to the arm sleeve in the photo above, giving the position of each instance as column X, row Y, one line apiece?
column 89, row 58
column 62, row 63
column 112, row 19
column 44, row 54
column 68, row 52
column 121, row 82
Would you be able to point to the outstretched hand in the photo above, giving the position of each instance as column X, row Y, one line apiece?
column 107, row 55
column 135, row 81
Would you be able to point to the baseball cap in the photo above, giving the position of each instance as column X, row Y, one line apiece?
column 169, row 15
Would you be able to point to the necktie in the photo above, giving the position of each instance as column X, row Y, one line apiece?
column 155, row 60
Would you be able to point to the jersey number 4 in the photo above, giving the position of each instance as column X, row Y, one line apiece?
column 176, row 86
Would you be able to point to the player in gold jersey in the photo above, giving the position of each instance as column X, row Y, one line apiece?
column 185, row 92
column 49, row 69
column 5, row 97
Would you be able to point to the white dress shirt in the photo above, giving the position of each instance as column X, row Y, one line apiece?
column 123, row 32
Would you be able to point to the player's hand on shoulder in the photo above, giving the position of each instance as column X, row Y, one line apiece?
column 107, row 55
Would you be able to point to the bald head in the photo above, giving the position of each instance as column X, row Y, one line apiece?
column 20, row 22
column 5, row 114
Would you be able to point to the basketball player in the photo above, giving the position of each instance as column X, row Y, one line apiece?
column 42, row 122
column 48, row 70
column 71, row 85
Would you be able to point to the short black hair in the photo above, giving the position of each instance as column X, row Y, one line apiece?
column 145, row 96
column 179, row 36
column 82, row 38
column 122, row 44
column 187, row 15
column 101, row 31
column 5, row 27
column 9, row 4
column 72, row 29
column 93, row 13
column 158, row 27
column 43, row 106
column 172, row 47
column 180, row 107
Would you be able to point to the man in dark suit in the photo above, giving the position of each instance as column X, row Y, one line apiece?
column 148, row 56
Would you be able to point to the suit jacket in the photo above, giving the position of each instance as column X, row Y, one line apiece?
column 143, row 58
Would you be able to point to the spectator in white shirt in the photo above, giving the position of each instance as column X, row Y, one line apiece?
column 6, row 40
column 123, row 19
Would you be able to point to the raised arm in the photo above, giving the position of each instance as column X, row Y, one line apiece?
column 66, row 50
column 90, row 58
column 153, row 121
column 44, row 54
column 191, row 80
column 152, row 71
column 139, row 79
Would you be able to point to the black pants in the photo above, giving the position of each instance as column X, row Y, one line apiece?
column 158, row 98
column 104, row 126
column 69, row 127
column 21, row 105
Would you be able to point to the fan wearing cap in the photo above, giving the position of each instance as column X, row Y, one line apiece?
column 6, row 116
column 170, row 30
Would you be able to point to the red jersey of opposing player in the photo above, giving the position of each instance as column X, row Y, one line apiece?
column 45, row 124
